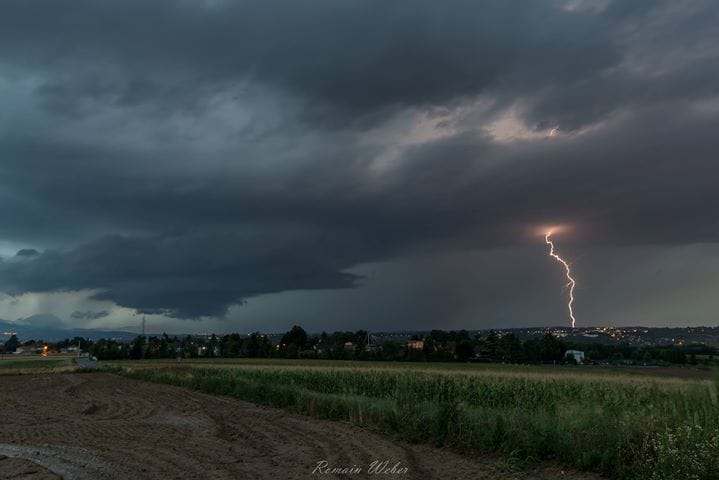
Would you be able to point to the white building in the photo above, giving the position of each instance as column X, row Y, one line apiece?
column 578, row 355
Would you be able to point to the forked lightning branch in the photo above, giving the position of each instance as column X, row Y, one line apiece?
column 571, row 284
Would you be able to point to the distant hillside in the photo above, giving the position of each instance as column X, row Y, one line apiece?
column 52, row 331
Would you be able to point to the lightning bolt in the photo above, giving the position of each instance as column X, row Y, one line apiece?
column 567, row 272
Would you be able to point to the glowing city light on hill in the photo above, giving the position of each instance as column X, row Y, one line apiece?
column 571, row 284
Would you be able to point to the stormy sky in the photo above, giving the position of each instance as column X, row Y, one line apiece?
column 248, row 165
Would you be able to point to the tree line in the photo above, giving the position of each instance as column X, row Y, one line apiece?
column 435, row 346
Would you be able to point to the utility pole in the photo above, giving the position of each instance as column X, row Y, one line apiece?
column 144, row 344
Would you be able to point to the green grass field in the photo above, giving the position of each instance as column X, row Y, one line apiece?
column 684, row 372
column 22, row 365
column 621, row 423
column 10, row 363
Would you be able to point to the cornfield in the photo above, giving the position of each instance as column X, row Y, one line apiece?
column 621, row 426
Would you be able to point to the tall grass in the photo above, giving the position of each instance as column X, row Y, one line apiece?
column 624, row 427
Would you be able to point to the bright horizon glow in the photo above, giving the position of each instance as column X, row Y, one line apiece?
column 567, row 272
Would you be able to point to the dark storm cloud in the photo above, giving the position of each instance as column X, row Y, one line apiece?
column 670, row 57
column 181, row 157
column 188, row 276
column 352, row 58
column 89, row 314
column 648, row 185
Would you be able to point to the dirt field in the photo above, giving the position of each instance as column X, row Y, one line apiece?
column 101, row 426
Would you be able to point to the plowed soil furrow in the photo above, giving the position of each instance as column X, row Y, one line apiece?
column 101, row 426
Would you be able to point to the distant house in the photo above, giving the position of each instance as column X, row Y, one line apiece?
column 578, row 355
column 33, row 348
column 415, row 344
column 349, row 346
